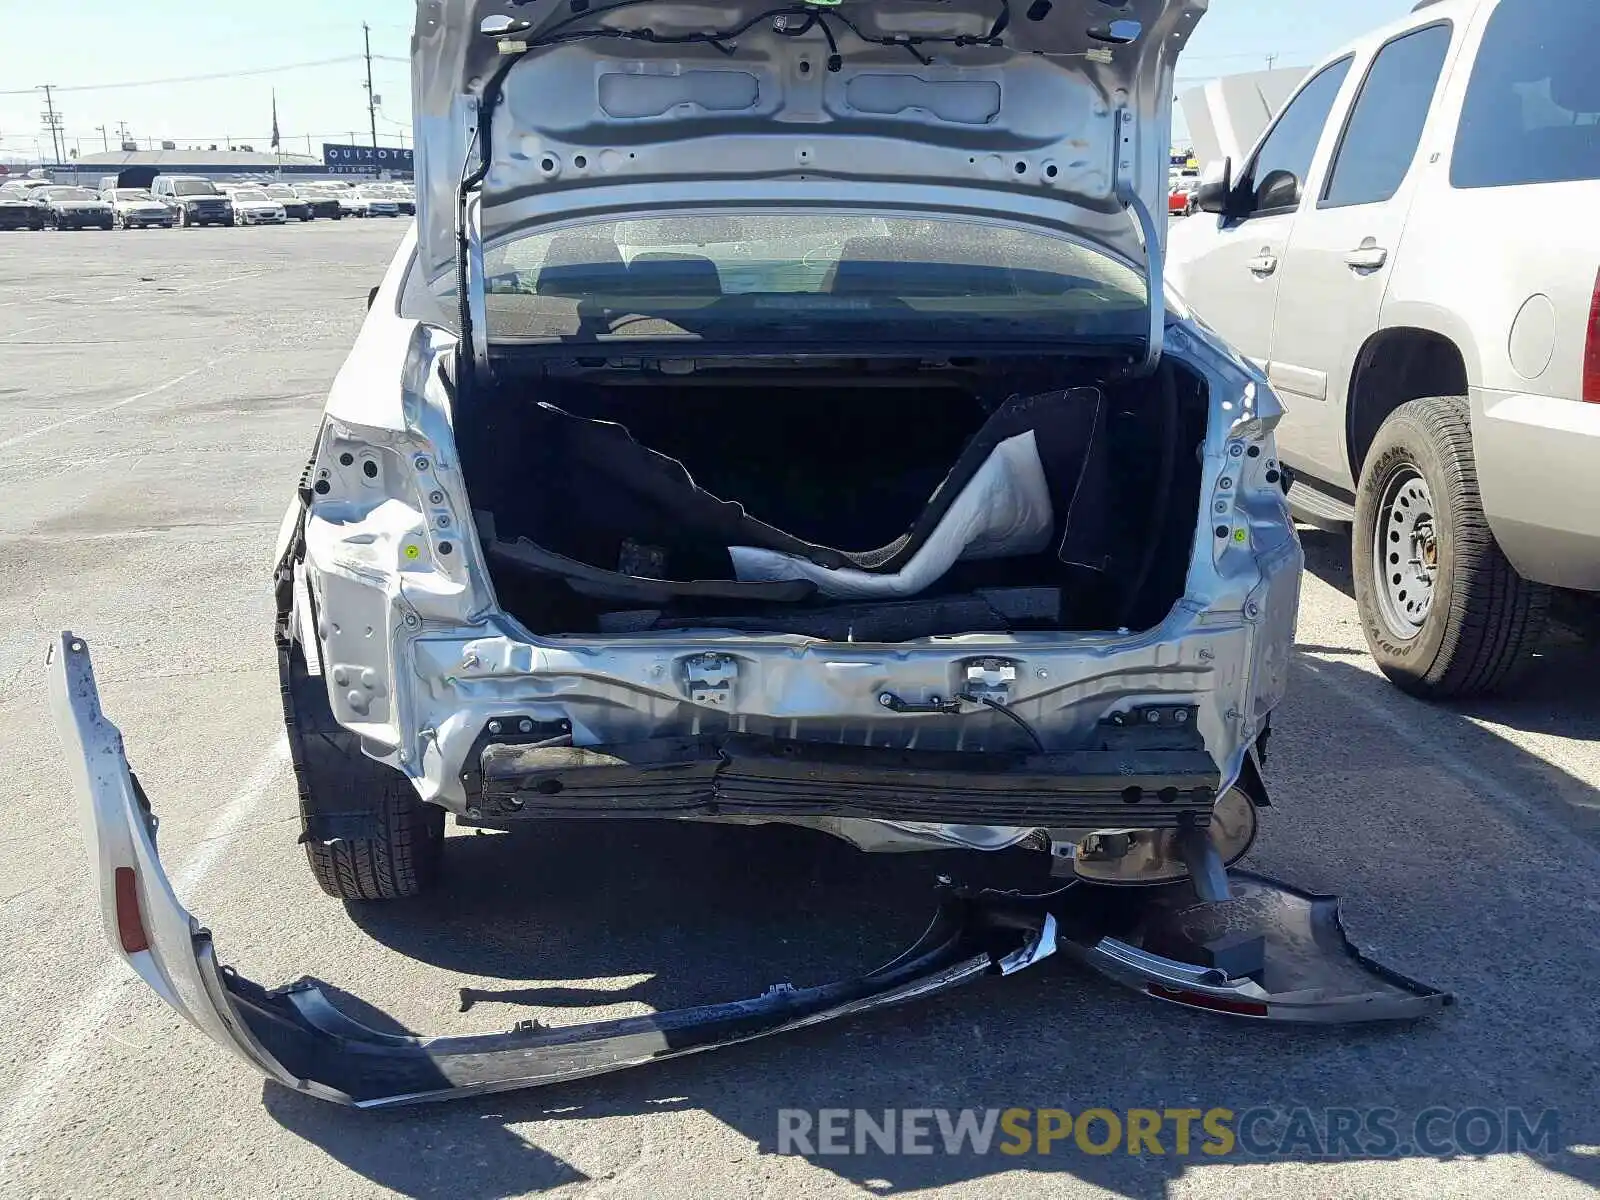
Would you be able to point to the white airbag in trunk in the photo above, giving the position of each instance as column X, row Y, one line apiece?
column 1003, row 512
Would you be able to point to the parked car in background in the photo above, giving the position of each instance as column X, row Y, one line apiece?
column 321, row 198
column 351, row 202
column 1411, row 256
column 197, row 199
column 364, row 202
column 136, row 208
column 17, row 211
column 138, row 178
column 24, row 187
column 1180, row 199
column 285, row 197
column 72, row 208
column 294, row 208
column 253, row 206
column 405, row 199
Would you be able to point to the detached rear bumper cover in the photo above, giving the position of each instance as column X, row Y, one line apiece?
column 296, row 1036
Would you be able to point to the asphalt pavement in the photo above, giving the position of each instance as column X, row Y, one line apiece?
column 159, row 392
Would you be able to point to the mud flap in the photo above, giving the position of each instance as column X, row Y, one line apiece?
column 1269, row 952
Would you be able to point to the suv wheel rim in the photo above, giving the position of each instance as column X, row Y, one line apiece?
column 1405, row 553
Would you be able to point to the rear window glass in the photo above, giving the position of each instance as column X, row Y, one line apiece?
column 1385, row 126
column 806, row 277
column 1532, row 109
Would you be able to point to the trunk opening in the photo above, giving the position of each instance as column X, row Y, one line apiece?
column 608, row 500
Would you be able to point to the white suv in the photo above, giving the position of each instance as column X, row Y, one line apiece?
column 1410, row 254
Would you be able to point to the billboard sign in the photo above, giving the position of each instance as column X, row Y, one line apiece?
column 365, row 160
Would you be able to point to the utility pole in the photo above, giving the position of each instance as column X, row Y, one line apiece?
column 105, row 138
column 1272, row 60
column 53, row 122
column 122, row 132
column 372, row 104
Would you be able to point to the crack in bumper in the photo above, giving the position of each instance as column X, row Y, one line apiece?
column 1272, row 953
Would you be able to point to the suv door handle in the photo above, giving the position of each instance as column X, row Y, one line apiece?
column 1367, row 258
column 1264, row 264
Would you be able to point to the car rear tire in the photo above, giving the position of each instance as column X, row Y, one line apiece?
column 1446, row 616
column 367, row 835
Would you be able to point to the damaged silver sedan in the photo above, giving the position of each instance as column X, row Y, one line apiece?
column 778, row 416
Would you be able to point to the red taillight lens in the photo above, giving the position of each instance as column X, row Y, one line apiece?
column 1591, row 350
column 1242, row 1008
column 130, row 921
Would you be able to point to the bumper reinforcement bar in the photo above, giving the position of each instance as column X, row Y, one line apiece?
column 748, row 775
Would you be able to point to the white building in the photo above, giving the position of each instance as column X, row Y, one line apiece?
column 1226, row 116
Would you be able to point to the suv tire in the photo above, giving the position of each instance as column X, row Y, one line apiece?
column 366, row 833
column 1445, row 615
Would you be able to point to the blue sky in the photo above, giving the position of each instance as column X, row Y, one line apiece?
column 96, row 42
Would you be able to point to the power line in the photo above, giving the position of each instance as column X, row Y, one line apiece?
column 206, row 78
column 184, row 139
column 199, row 145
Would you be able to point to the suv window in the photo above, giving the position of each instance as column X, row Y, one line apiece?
column 1532, row 110
column 1278, row 175
column 1385, row 126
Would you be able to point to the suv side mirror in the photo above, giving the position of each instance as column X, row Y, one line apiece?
column 1212, row 195
column 1280, row 189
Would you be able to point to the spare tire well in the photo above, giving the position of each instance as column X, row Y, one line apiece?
column 1395, row 367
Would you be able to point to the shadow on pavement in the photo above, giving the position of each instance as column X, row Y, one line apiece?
column 1441, row 881
column 1557, row 691
column 572, row 900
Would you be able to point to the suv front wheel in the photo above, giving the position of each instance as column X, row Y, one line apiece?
column 1446, row 616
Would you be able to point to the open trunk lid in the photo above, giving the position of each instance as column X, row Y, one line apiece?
column 1057, row 113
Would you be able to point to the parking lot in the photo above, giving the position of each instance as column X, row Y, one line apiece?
column 160, row 392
